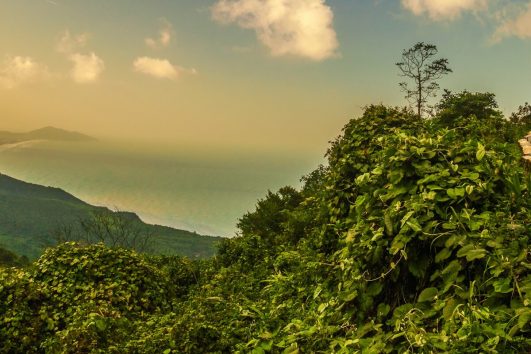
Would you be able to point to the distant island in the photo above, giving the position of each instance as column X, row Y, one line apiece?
column 46, row 133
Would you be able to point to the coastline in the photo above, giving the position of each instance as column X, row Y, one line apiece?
column 19, row 144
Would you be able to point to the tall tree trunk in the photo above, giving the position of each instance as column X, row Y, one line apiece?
column 419, row 98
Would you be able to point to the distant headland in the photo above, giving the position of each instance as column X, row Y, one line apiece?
column 46, row 133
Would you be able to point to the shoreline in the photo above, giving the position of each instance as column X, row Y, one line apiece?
column 19, row 144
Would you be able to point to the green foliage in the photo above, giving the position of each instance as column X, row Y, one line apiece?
column 475, row 115
column 21, row 326
column 522, row 116
column 354, row 154
column 426, row 228
column 413, row 239
column 466, row 104
column 89, row 272
column 271, row 214
column 74, row 295
column 182, row 272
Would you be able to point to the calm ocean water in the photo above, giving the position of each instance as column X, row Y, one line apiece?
column 204, row 191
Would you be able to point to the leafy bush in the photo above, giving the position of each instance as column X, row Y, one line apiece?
column 74, row 295
column 21, row 326
column 425, row 232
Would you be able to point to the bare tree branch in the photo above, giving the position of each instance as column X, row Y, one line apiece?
column 113, row 228
column 416, row 65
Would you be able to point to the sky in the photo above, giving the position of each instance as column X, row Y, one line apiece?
column 245, row 74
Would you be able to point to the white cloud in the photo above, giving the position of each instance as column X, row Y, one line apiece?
column 69, row 43
column 164, row 38
column 159, row 68
column 511, row 18
column 301, row 28
column 87, row 68
column 443, row 10
column 15, row 71
column 519, row 25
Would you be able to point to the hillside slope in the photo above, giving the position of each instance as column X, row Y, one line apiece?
column 31, row 214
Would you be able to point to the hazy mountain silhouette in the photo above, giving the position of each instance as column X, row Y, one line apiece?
column 46, row 133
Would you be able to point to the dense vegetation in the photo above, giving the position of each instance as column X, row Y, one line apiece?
column 414, row 238
column 33, row 217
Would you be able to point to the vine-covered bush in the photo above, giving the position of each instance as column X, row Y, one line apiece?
column 21, row 326
column 75, row 297
column 434, row 248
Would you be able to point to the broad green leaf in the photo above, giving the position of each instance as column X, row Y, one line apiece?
column 383, row 309
column 100, row 325
column 471, row 253
column 317, row 291
column 448, row 310
column 406, row 217
column 503, row 286
column 442, row 255
column 524, row 318
column 388, row 224
column 414, row 225
column 267, row 345
column 428, row 294
column 480, row 152
column 453, row 267
column 455, row 193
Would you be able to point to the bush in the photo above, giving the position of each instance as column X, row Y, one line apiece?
column 76, row 298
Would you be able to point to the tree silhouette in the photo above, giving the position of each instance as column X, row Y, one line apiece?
column 417, row 64
column 113, row 228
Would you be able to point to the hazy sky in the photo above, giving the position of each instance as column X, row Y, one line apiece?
column 242, row 73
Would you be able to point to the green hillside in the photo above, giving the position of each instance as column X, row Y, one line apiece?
column 31, row 216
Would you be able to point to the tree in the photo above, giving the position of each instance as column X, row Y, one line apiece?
column 269, row 218
column 465, row 104
column 418, row 64
column 113, row 228
column 522, row 116
column 475, row 115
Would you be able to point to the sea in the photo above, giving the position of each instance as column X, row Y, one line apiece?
column 202, row 189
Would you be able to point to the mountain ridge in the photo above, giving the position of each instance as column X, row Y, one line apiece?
column 44, row 133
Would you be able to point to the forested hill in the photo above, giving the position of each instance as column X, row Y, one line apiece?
column 10, row 186
column 46, row 133
column 33, row 217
